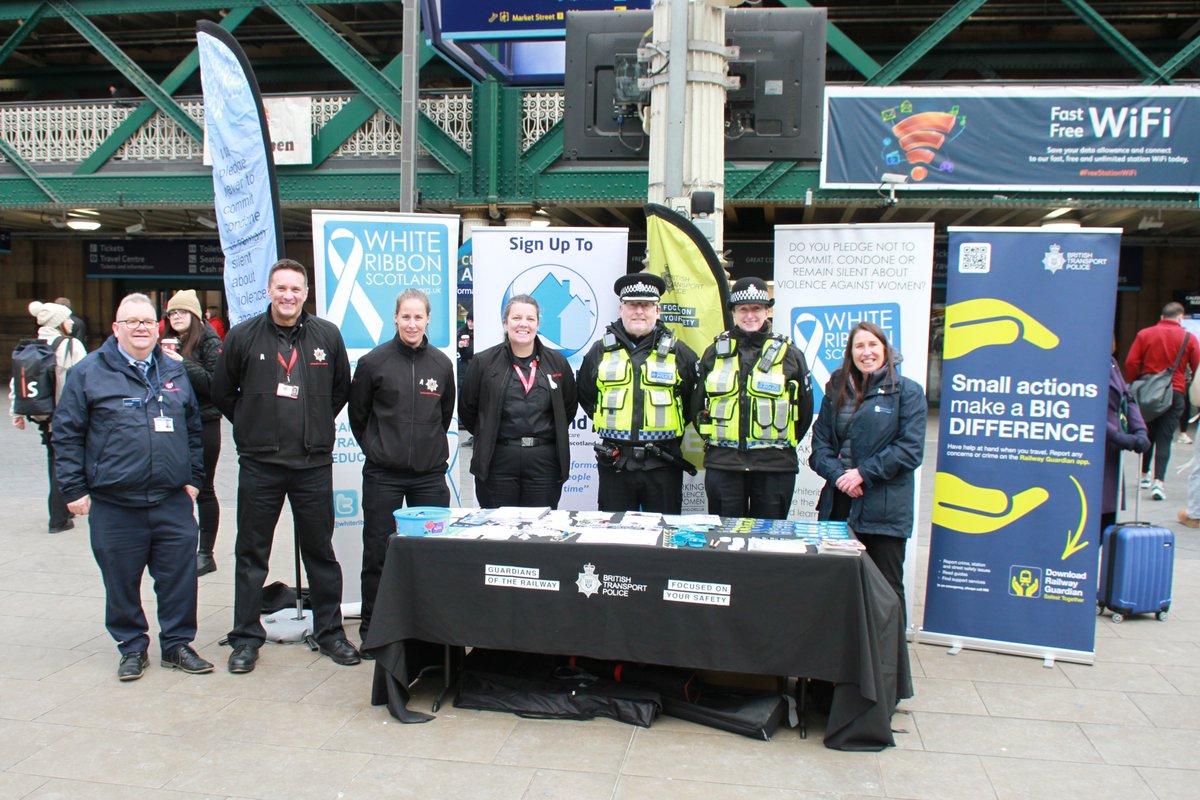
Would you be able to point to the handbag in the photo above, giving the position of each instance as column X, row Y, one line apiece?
column 1154, row 393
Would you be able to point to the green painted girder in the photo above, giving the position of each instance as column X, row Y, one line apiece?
column 352, row 116
column 22, row 9
column 132, row 72
column 26, row 27
column 27, row 169
column 381, row 90
column 309, row 189
column 842, row 44
column 926, row 41
column 545, row 151
column 1178, row 61
column 760, row 183
column 485, row 142
column 145, row 111
column 1123, row 46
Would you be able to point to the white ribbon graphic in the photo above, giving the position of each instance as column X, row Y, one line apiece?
column 811, row 347
column 348, row 290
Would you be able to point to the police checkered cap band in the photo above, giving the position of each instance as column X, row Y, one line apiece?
column 751, row 294
column 639, row 289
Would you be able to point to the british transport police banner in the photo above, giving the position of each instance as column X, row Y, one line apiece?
column 246, row 202
column 362, row 261
column 1016, row 498
column 988, row 138
column 570, row 272
column 828, row 278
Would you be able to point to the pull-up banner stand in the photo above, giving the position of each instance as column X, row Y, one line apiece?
column 1016, row 500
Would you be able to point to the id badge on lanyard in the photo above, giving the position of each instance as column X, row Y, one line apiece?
column 287, row 388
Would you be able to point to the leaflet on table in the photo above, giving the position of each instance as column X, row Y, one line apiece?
column 759, row 544
column 516, row 514
column 639, row 519
column 841, row 547
column 691, row 520
column 639, row 536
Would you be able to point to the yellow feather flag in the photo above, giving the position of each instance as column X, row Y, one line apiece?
column 696, row 304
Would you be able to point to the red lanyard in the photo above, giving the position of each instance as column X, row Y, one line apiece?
column 291, row 362
column 528, row 384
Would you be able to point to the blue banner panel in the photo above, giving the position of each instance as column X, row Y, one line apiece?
column 1016, row 501
column 246, row 194
column 1093, row 138
column 518, row 19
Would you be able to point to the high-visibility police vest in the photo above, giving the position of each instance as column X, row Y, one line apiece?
column 761, row 410
column 617, row 385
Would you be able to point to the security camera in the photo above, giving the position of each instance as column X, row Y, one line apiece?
column 893, row 177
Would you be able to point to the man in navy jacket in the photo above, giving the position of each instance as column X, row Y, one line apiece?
column 126, row 436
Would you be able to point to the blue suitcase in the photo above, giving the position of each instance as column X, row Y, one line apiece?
column 1136, row 565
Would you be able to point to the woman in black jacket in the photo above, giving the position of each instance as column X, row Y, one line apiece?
column 198, row 349
column 867, row 444
column 518, row 400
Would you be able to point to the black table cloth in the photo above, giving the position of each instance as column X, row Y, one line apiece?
column 828, row 617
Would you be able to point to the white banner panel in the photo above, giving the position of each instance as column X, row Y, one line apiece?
column 830, row 277
column 570, row 272
column 289, row 124
column 362, row 262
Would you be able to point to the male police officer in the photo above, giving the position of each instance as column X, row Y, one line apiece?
column 637, row 384
column 757, row 405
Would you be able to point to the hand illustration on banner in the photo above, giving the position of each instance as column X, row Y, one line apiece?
column 987, row 321
column 349, row 290
column 1073, row 545
column 966, row 508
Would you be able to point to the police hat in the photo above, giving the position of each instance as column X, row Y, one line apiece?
column 640, row 287
column 750, row 290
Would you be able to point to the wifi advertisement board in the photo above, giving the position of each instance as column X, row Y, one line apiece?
column 1090, row 138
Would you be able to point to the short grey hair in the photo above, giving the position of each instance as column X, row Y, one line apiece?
column 136, row 297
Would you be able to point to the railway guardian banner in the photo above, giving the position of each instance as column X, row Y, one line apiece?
column 362, row 262
column 1016, row 499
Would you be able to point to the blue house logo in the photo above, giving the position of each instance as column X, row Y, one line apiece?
column 567, row 304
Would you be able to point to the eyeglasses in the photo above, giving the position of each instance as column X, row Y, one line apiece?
column 134, row 324
column 176, row 312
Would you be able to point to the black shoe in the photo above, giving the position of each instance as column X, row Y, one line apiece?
column 132, row 666
column 341, row 652
column 242, row 659
column 365, row 656
column 59, row 529
column 205, row 564
column 185, row 658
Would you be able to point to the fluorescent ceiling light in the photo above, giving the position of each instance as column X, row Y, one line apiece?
column 206, row 222
column 136, row 227
column 1056, row 213
column 83, row 224
column 91, row 212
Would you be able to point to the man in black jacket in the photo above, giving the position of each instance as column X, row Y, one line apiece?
column 126, row 435
column 637, row 384
column 401, row 405
column 282, row 378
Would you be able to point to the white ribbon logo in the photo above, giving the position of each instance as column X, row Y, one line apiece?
column 811, row 347
column 349, row 292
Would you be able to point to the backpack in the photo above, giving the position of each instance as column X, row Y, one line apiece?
column 33, row 362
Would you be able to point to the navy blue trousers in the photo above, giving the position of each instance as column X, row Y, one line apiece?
column 126, row 541
column 762, row 495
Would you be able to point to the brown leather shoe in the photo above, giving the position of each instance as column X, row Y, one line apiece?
column 1184, row 519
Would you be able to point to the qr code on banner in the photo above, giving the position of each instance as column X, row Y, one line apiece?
column 975, row 257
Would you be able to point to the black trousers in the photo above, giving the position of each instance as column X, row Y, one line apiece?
column 521, row 476
column 656, row 490
column 384, row 491
column 1162, row 433
column 206, row 503
column 261, row 491
column 764, row 495
column 56, row 504
column 126, row 541
column 888, row 554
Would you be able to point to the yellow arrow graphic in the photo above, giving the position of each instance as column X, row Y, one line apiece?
column 1073, row 544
